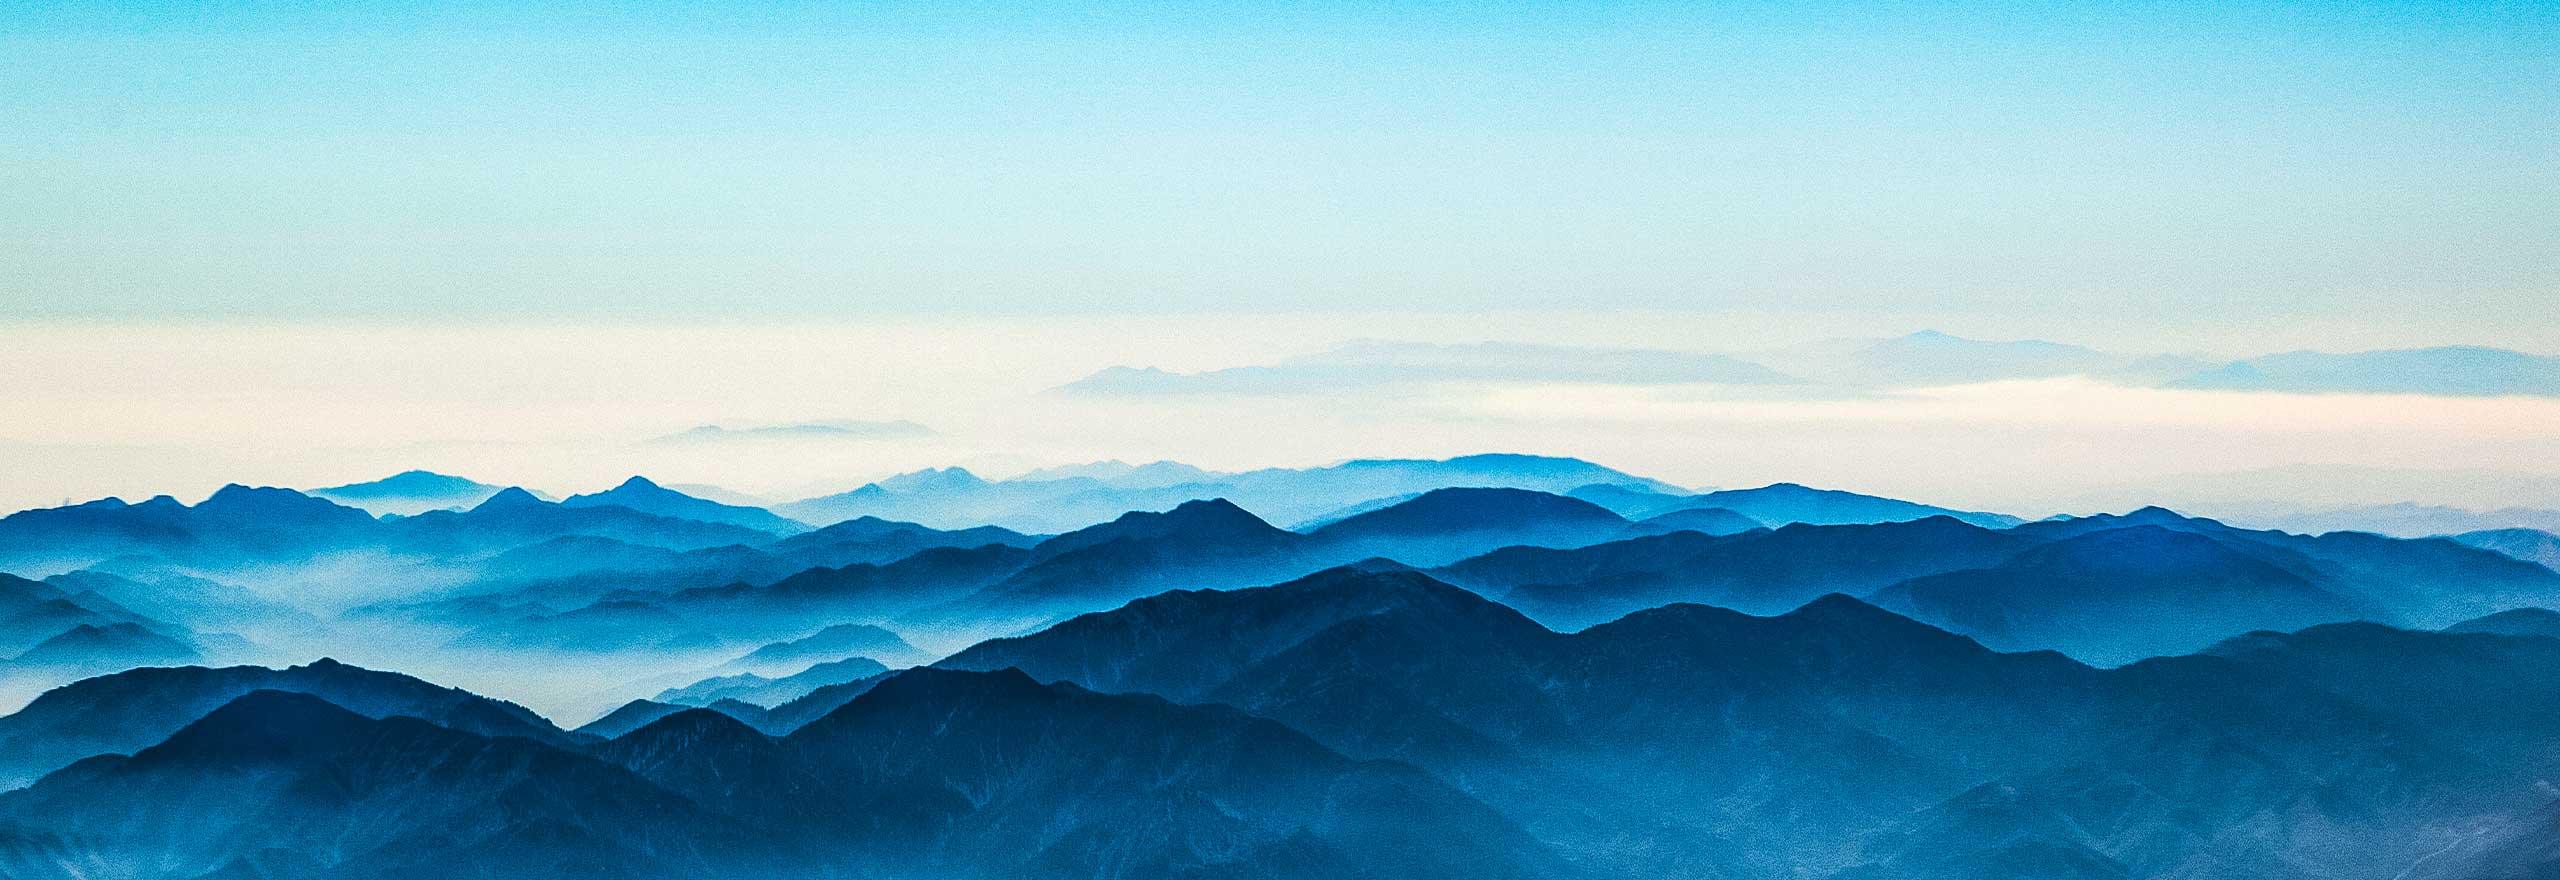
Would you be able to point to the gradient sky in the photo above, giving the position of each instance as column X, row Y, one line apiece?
column 311, row 243
column 2101, row 162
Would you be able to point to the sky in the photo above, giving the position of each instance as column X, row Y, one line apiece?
column 307, row 243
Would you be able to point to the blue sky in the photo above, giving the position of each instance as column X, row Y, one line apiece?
column 2107, row 163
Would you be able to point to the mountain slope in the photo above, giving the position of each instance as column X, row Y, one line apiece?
column 1068, row 782
column 758, row 690
column 1779, row 504
column 1763, row 572
column 129, row 710
column 514, row 517
column 2531, row 545
column 410, row 493
column 92, row 648
column 834, row 642
column 275, row 773
column 952, row 498
column 2117, row 596
column 1446, row 525
column 1703, row 520
column 236, row 525
column 1196, row 544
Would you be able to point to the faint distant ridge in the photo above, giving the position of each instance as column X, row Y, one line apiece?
column 2410, row 520
column 1851, row 366
column 1930, row 356
column 410, row 492
column 1372, row 363
column 2461, row 371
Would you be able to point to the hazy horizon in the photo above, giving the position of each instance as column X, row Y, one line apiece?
column 136, row 410
column 313, row 245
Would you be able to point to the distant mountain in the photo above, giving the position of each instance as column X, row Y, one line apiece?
column 307, row 788
column 876, row 541
column 1783, row 503
column 514, row 517
column 1123, row 475
column 629, row 717
column 50, row 633
column 1373, row 721
column 996, row 587
column 2453, row 370
column 1019, row 779
column 128, row 710
column 834, row 642
column 2530, row 545
column 1760, row 572
column 2424, row 583
column 1161, row 644
column 169, row 596
column 1624, row 500
column 1842, row 739
column 240, row 527
column 791, row 606
column 612, row 624
column 2518, row 622
column 1218, row 793
column 1468, row 510
column 748, row 687
column 409, row 493
column 1214, row 526
column 791, row 716
column 2116, row 596
column 2406, row 520
column 639, row 494
column 1703, row 520
column 953, row 498
column 33, row 611
column 1445, row 525
column 91, row 649
column 237, row 524
column 1929, row 357
column 1346, row 512
column 1199, row 543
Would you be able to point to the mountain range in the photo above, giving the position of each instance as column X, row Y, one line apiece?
column 1851, row 366
column 1354, row 724
column 1437, row 672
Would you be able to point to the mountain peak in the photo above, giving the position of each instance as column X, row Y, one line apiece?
column 1456, row 510
column 262, row 724
column 637, row 483
column 236, row 497
column 1210, row 509
column 508, row 498
column 1211, row 522
column 685, row 725
column 2153, row 513
column 932, row 480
